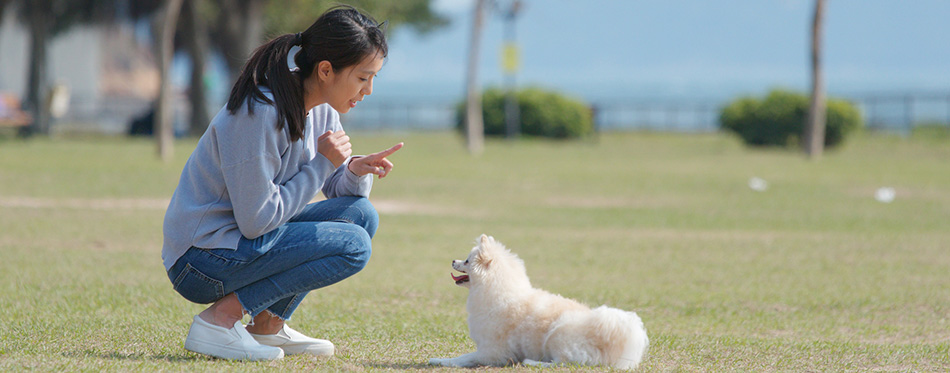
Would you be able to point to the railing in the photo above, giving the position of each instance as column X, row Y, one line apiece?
column 881, row 112
column 659, row 116
column 401, row 115
column 903, row 112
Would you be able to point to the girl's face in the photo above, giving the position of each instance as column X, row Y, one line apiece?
column 346, row 87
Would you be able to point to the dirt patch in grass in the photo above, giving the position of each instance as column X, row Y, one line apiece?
column 86, row 203
column 383, row 206
column 596, row 202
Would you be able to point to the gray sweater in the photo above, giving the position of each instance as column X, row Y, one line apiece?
column 246, row 178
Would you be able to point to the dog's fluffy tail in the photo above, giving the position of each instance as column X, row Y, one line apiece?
column 623, row 331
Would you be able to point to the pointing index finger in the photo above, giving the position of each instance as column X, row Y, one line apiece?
column 387, row 152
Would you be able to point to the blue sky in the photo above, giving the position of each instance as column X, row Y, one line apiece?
column 616, row 49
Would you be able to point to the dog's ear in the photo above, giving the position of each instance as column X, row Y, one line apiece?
column 483, row 257
column 486, row 250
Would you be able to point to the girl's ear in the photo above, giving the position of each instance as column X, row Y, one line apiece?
column 324, row 69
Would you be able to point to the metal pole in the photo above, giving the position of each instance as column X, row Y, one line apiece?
column 908, row 114
column 512, row 111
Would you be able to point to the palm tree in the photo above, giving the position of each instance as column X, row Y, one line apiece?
column 474, row 126
column 165, row 24
column 815, row 127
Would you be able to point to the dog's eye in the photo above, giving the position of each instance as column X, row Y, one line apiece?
column 466, row 261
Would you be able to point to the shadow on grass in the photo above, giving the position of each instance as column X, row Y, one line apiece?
column 182, row 357
column 399, row 366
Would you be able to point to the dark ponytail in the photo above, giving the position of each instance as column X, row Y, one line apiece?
column 342, row 35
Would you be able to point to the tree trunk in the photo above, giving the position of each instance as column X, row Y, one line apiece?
column 4, row 4
column 167, row 19
column 474, row 124
column 196, row 40
column 815, row 128
column 253, row 25
column 241, row 25
column 40, row 14
column 3, row 9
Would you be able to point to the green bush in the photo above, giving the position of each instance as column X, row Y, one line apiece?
column 779, row 119
column 543, row 114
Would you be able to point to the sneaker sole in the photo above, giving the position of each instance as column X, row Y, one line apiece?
column 229, row 354
column 316, row 350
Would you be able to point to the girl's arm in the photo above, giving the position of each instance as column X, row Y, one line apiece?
column 344, row 182
column 250, row 150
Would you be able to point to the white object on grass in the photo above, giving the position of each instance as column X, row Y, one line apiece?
column 885, row 194
column 758, row 184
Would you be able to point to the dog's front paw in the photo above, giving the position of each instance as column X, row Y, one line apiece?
column 469, row 360
column 540, row 364
column 455, row 363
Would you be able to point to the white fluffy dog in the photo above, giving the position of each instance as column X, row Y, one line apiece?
column 512, row 322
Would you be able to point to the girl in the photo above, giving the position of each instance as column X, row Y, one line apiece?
column 239, row 232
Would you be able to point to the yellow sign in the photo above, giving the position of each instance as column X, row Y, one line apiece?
column 510, row 60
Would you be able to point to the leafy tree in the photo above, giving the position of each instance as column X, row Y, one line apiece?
column 241, row 25
column 46, row 19
column 236, row 27
column 286, row 16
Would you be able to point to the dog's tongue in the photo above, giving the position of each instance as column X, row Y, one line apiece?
column 459, row 279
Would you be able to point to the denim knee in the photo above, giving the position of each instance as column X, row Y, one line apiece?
column 370, row 216
column 361, row 247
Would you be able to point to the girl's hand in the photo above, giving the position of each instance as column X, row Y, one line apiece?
column 335, row 146
column 375, row 163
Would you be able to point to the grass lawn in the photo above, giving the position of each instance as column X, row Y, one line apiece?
column 812, row 274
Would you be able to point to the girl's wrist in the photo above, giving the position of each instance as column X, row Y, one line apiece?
column 350, row 165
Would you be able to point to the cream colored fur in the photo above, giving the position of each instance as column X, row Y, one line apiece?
column 511, row 322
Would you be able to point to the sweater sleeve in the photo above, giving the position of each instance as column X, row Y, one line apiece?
column 343, row 182
column 250, row 161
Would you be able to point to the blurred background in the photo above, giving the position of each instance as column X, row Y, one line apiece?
column 92, row 66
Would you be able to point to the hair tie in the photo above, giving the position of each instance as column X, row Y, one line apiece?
column 298, row 39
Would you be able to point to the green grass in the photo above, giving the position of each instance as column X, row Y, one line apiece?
column 811, row 275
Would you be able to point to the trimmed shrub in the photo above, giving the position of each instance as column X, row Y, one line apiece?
column 779, row 119
column 543, row 114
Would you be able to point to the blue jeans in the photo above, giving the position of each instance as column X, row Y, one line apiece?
column 324, row 244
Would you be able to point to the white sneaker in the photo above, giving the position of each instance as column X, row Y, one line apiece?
column 294, row 342
column 232, row 344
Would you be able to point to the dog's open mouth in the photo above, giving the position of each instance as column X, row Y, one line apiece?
column 459, row 279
